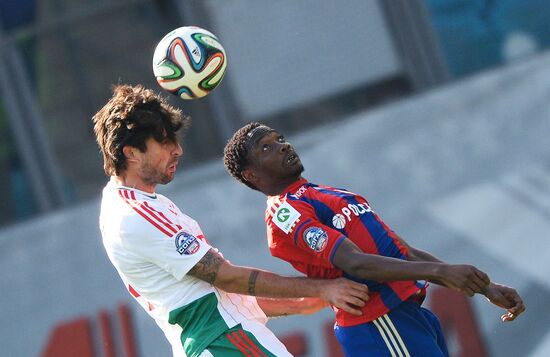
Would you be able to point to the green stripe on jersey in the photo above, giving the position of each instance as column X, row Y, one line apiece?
column 201, row 323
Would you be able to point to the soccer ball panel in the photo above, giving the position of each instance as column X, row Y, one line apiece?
column 189, row 62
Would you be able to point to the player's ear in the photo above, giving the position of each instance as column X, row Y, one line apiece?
column 130, row 153
column 249, row 175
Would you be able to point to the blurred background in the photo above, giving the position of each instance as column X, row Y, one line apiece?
column 436, row 110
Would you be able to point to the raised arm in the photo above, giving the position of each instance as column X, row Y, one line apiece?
column 342, row 293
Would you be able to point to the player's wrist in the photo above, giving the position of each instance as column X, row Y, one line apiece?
column 324, row 289
column 486, row 291
column 435, row 271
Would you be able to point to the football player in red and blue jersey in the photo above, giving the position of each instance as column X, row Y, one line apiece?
column 327, row 232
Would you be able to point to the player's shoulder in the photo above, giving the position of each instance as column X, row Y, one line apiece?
column 308, row 192
column 283, row 214
column 327, row 193
column 129, row 207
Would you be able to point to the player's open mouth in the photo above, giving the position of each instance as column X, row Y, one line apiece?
column 291, row 159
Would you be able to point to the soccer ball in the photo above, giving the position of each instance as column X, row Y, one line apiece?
column 189, row 62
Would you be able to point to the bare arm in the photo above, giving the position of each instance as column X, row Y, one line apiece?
column 342, row 293
column 497, row 294
column 284, row 307
column 464, row 278
column 418, row 255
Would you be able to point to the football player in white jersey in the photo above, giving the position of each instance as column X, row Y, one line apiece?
column 205, row 305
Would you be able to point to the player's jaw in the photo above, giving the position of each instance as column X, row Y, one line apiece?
column 291, row 163
column 170, row 172
column 158, row 171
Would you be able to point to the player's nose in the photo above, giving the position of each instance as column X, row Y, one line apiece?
column 284, row 147
column 178, row 150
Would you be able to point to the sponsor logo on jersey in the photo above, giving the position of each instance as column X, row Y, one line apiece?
column 349, row 211
column 187, row 243
column 285, row 217
column 339, row 221
column 316, row 238
column 299, row 192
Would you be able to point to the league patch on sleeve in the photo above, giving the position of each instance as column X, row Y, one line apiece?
column 316, row 238
column 187, row 243
column 285, row 217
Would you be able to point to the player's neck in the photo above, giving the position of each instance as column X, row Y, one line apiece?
column 281, row 186
column 134, row 181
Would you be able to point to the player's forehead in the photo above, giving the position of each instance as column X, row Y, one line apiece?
column 164, row 137
column 256, row 135
column 255, row 142
column 267, row 137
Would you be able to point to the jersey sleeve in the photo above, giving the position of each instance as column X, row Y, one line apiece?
column 302, row 231
column 174, row 251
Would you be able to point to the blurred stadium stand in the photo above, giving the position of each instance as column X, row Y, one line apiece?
column 436, row 110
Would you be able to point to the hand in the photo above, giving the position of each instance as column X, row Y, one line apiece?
column 463, row 278
column 506, row 298
column 345, row 294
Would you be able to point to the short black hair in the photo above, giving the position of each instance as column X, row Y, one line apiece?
column 235, row 154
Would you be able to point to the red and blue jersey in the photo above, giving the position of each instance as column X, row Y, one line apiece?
column 307, row 222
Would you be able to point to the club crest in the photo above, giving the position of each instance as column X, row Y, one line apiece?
column 316, row 238
column 187, row 243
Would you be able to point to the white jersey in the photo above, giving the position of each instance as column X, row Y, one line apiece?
column 153, row 245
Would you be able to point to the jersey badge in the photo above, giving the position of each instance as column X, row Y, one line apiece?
column 316, row 238
column 285, row 217
column 187, row 243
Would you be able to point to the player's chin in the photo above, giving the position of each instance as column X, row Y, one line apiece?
column 298, row 169
column 167, row 178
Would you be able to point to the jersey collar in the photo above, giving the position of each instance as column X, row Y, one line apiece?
column 293, row 186
column 118, row 187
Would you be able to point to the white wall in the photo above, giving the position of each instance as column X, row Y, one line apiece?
column 298, row 52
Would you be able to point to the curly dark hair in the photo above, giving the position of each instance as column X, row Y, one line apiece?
column 133, row 115
column 235, row 153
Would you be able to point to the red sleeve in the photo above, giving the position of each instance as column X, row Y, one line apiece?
column 295, row 234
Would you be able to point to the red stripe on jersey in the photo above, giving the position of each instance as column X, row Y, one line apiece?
column 162, row 215
column 366, row 243
column 201, row 236
column 142, row 214
column 137, row 295
column 133, row 291
column 251, row 343
column 239, row 346
column 149, row 208
column 146, row 208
